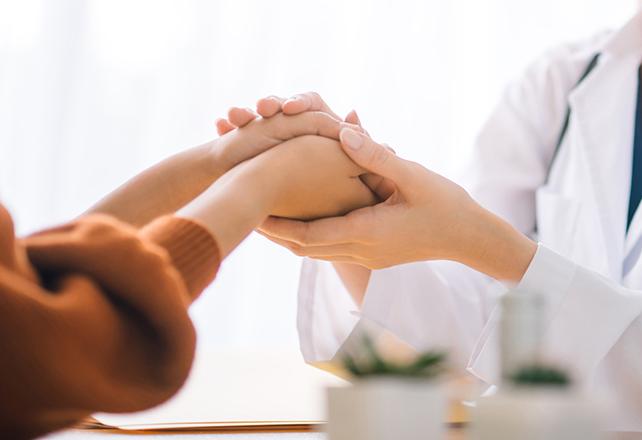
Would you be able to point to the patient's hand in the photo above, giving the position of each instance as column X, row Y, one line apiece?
column 270, row 106
column 273, row 107
column 304, row 178
column 257, row 136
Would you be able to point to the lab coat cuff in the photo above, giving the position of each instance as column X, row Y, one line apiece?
column 548, row 274
column 378, row 299
column 354, row 344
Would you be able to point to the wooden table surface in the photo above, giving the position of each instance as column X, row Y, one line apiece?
column 454, row 434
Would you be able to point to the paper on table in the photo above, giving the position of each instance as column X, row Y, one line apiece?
column 235, row 388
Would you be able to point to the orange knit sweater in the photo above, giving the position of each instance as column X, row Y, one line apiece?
column 93, row 317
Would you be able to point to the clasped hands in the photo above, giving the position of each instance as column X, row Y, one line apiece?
column 328, row 191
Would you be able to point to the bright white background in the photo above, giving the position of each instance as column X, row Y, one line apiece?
column 91, row 92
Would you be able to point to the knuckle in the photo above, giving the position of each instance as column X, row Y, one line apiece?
column 318, row 120
column 314, row 95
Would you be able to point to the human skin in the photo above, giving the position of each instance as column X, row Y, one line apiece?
column 424, row 217
column 172, row 183
column 305, row 177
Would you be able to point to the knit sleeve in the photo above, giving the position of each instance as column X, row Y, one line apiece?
column 191, row 247
column 94, row 317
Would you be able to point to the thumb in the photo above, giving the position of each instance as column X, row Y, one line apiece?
column 373, row 157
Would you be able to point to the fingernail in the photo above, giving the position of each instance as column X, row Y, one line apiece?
column 351, row 138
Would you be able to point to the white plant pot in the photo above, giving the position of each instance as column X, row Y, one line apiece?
column 387, row 409
column 536, row 414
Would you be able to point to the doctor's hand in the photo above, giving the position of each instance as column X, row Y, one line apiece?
column 427, row 217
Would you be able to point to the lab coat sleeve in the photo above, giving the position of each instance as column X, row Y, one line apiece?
column 442, row 304
column 325, row 314
column 426, row 306
column 590, row 318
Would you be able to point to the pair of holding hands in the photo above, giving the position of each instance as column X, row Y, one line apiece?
column 373, row 209
column 417, row 215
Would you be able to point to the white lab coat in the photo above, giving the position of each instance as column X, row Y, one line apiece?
column 586, row 264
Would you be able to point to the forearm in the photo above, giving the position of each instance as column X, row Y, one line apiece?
column 355, row 278
column 234, row 205
column 305, row 177
column 494, row 247
column 164, row 188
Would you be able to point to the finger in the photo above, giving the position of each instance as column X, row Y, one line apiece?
column 332, row 251
column 342, row 259
column 223, row 126
column 283, row 243
column 389, row 148
column 241, row 116
column 327, row 231
column 269, row 106
column 374, row 157
column 353, row 118
column 283, row 127
column 381, row 186
column 354, row 127
column 306, row 102
column 338, row 250
column 372, row 181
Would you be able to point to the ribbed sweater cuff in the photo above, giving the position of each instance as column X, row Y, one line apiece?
column 192, row 248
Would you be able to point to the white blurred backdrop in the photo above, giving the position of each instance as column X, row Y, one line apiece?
column 94, row 91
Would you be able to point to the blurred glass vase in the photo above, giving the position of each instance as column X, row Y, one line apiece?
column 542, row 414
column 539, row 404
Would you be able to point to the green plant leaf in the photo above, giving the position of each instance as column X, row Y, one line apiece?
column 538, row 375
column 426, row 365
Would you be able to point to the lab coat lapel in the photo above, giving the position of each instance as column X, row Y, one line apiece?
column 627, row 45
column 634, row 234
column 603, row 107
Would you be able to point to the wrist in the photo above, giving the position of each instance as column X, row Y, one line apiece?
column 232, row 207
column 218, row 162
column 265, row 186
column 495, row 247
